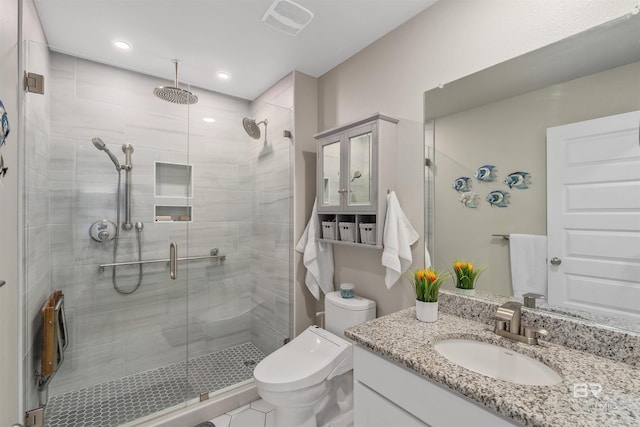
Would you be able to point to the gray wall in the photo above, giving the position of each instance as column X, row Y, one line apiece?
column 450, row 39
column 304, row 184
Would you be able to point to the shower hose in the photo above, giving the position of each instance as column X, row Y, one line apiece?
column 114, row 280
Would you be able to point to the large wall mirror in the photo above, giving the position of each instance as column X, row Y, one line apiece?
column 499, row 117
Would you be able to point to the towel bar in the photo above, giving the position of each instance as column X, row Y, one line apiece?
column 502, row 236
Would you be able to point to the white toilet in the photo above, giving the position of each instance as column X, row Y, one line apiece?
column 310, row 381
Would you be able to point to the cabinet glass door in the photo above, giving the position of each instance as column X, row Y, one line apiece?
column 360, row 169
column 330, row 185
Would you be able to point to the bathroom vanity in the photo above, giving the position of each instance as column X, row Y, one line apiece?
column 388, row 394
column 400, row 379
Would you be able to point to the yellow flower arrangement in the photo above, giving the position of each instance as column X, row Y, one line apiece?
column 465, row 274
column 426, row 283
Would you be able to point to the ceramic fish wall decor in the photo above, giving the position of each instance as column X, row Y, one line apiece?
column 4, row 122
column 498, row 198
column 519, row 180
column 486, row 173
column 462, row 184
column 469, row 199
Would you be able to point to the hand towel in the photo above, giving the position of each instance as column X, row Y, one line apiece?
column 427, row 256
column 318, row 257
column 397, row 239
column 528, row 264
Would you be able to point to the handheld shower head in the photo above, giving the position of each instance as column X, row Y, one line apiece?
column 356, row 175
column 100, row 145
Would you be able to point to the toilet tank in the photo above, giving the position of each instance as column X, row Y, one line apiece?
column 342, row 313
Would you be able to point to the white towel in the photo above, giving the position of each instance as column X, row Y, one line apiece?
column 528, row 264
column 397, row 239
column 318, row 257
column 427, row 256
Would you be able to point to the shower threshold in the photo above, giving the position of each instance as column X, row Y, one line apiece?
column 126, row 399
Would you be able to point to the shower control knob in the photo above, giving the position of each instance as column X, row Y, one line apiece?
column 555, row 261
column 102, row 230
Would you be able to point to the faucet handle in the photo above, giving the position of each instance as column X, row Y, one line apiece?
column 533, row 332
column 499, row 323
column 530, row 299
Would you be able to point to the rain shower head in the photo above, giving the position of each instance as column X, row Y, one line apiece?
column 100, row 145
column 174, row 93
column 252, row 129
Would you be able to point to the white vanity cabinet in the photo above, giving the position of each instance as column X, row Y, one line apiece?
column 356, row 167
column 387, row 394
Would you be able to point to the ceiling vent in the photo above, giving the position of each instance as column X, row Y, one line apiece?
column 287, row 16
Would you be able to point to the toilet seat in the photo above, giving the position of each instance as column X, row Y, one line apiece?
column 307, row 360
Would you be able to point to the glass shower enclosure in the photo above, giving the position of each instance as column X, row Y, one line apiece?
column 115, row 180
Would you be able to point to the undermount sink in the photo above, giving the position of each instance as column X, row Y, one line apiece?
column 497, row 362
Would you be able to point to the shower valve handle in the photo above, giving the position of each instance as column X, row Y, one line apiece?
column 173, row 260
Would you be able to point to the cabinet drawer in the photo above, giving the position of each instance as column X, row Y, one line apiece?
column 373, row 410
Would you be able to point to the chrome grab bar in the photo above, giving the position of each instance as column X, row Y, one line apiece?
column 153, row 261
column 173, row 263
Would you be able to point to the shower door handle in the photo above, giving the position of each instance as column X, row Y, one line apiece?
column 173, row 260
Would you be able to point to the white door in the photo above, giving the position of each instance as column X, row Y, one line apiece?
column 593, row 215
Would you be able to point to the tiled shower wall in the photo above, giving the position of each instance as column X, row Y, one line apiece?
column 271, row 227
column 213, row 304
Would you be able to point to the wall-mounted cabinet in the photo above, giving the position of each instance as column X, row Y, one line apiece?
column 173, row 184
column 356, row 167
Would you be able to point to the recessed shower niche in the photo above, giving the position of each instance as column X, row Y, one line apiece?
column 173, row 181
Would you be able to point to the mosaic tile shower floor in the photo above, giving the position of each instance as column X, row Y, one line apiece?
column 126, row 399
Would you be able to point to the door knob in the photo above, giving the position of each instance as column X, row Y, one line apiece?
column 556, row 261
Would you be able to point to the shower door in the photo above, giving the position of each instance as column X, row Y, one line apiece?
column 127, row 324
column 150, row 339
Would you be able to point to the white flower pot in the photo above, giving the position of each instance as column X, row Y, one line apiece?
column 469, row 292
column 426, row 311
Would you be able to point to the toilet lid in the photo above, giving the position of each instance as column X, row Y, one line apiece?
column 305, row 361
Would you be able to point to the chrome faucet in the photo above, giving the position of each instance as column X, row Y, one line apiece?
column 510, row 313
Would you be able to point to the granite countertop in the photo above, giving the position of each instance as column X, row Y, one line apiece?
column 408, row 342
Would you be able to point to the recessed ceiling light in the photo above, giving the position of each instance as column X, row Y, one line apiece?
column 209, row 119
column 122, row 45
column 224, row 76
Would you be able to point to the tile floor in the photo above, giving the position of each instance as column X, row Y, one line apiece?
column 126, row 399
column 256, row 414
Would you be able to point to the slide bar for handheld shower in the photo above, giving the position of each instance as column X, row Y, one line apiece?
column 127, row 149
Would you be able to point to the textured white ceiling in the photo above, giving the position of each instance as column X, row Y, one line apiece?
column 219, row 35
